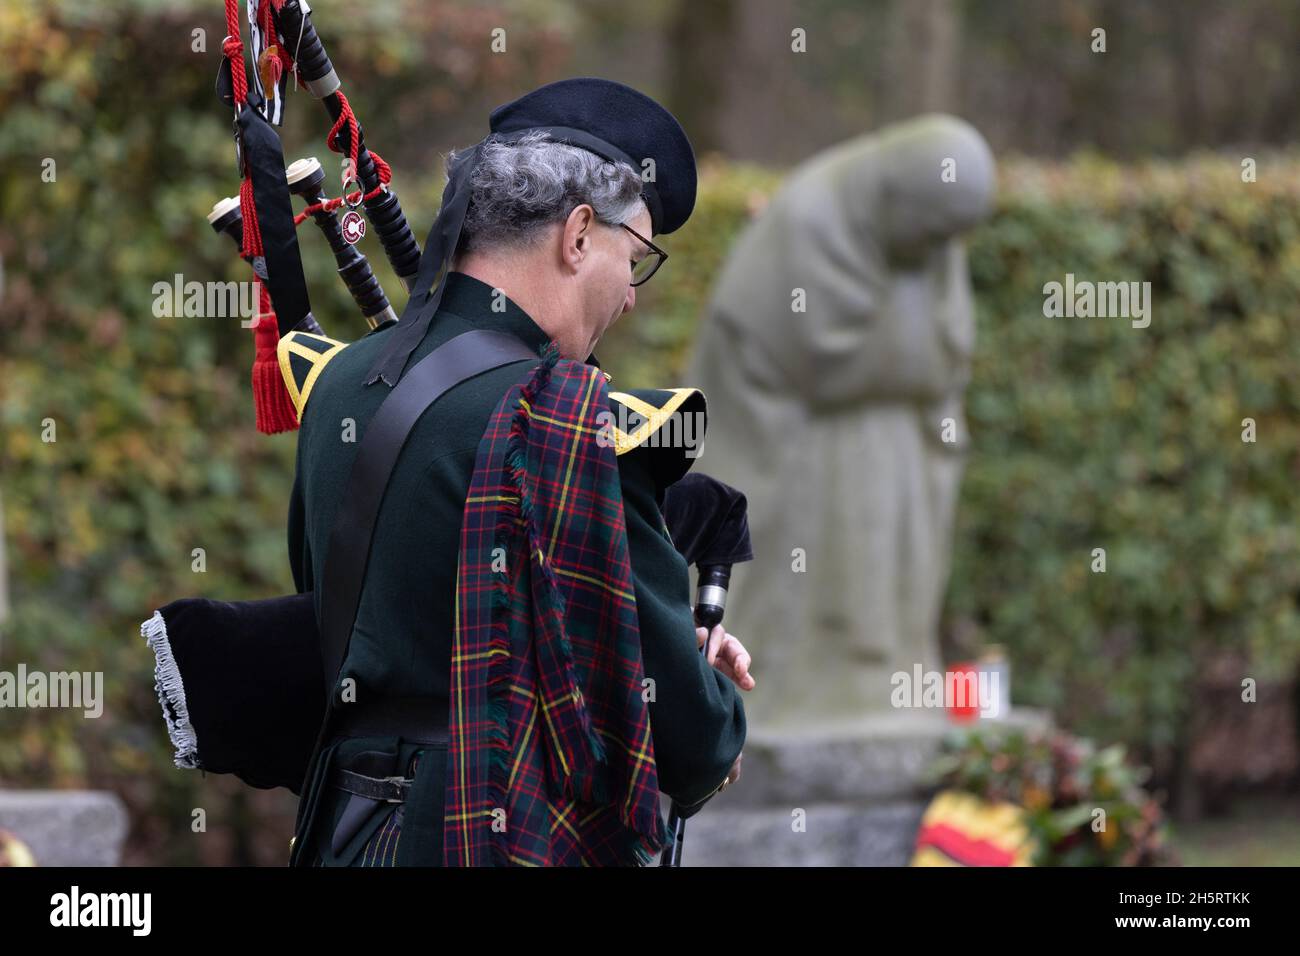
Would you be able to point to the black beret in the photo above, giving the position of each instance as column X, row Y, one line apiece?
column 609, row 119
column 617, row 123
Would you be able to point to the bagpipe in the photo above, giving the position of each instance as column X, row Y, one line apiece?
column 262, row 221
column 242, row 684
column 245, row 686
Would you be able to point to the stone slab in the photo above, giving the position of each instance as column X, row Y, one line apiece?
column 847, row 794
column 66, row 827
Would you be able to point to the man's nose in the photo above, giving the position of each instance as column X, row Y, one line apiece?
column 630, row 302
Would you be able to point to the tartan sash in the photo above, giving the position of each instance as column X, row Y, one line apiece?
column 550, row 760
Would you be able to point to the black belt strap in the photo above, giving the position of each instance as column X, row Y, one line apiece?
column 461, row 358
column 387, row 789
column 418, row 720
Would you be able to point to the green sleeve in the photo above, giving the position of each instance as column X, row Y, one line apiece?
column 299, row 547
column 697, row 718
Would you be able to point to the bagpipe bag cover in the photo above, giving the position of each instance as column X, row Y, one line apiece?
column 241, row 685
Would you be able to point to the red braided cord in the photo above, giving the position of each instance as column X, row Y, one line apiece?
column 252, row 229
column 330, row 205
column 233, row 48
column 267, row 26
column 381, row 167
column 265, row 309
column 349, row 119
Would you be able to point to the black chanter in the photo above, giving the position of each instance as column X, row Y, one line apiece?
column 307, row 179
column 708, row 523
column 317, row 74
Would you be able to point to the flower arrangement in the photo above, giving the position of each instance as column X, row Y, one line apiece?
column 1082, row 806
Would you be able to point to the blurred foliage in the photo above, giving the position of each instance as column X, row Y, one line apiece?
column 1060, row 782
column 1086, row 433
column 1176, row 74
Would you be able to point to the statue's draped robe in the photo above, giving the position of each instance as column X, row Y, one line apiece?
column 832, row 420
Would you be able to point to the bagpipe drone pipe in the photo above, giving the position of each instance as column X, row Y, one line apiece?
column 285, row 42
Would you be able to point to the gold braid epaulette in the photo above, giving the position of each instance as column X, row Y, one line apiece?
column 303, row 357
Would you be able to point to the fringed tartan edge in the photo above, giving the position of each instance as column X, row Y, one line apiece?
column 171, row 693
column 585, row 786
column 498, row 706
column 498, row 709
column 643, row 849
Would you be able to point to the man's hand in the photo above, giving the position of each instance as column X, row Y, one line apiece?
column 729, row 656
column 734, row 774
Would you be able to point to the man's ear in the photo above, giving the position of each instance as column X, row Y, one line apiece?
column 576, row 239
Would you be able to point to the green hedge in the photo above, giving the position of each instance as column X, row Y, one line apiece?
column 1089, row 433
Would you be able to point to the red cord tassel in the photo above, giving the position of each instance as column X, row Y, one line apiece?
column 274, row 407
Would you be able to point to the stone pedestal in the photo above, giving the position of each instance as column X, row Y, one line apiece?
column 66, row 827
column 839, row 795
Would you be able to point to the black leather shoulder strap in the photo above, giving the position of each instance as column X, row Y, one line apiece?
column 453, row 362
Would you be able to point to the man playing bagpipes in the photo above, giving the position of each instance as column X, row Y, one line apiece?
column 492, row 645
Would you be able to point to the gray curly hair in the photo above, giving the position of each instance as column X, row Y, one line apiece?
column 521, row 186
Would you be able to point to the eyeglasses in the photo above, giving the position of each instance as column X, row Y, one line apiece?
column 649, row 264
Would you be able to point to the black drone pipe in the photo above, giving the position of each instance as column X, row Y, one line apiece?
column 306, row 179
column 317, row 74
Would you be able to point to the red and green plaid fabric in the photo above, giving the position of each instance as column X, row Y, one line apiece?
column 551, row 760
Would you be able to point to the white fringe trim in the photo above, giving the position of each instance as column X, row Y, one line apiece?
column 171, row 693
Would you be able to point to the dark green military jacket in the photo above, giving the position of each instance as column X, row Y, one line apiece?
column 401, row 642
